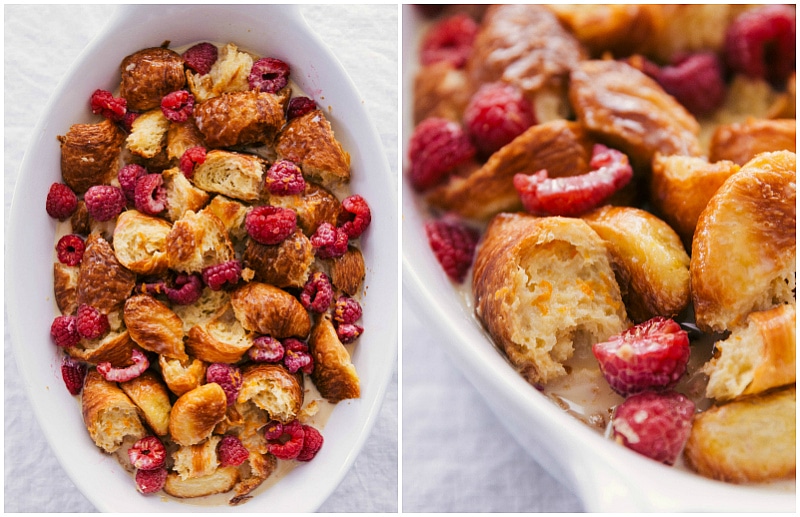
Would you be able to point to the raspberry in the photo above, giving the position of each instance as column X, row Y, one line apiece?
column 348, row 332
column 696, row 81
column 760, row 43
column 268, row 75
column 191, row 158
column 64, row 331
column 127, row 177
column 449, row 40
column 299, row 106
column 270, row 224
column 656, row 425
column 73, row 372
column 284, row 178
column 329, row 241
column 218, row 275
column 649, row 356
column 574, row 195
column 317, row 294
column 104, row 202
column 312, row 443
column 296, row 356
column 150, row 196
column 140, row 364
column 61, row 202
column 266, row 349
column 147, row 453
column 150, row 481
column 152, row 288
column 347, row 310
column 435, row 148
column 201, row 57
column 496, row 114
column 70, row 249
column 453, row 244
column 273, row 430
column 228, row 376
column 290, row 443
column 127, row 121
column 231, row 451
column 104, row 103
column 355, row 216
column 90, row 322
column 188, row 289
column 177, row 106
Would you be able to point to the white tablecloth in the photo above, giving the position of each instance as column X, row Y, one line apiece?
column 41, row 42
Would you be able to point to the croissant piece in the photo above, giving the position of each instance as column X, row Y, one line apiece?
column 182, row 136
column 90, row 154
column 198, row 460
column 231, row 213
column 348, row 271
column 196, row 241
column 221, row 339
column 228, row 74
column 240, row 118
column 181, row 195
column 334, row 373
column 236, row 175
column 741, row 142
column 182, row 376
column 283, row 265
column 196, row 412
column 148, row 136
column 114, row 347
column 108, row 413
column 103, row 282
column 210, row 305
column 272, row 388
column 148, row 75
column 150, row 395
column 314, row 206
column 154, row 326
column 266, row 309
column 140, row 242
column 65, row 287
column 440, row 90
column 222, row 480
column 261, row 467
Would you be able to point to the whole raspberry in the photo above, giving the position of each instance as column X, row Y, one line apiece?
column 296, row 357
column 329, row 241
column 649, row 356
column 127, row 177
column 496, row 114
column 761, row 43
column 284, row 178
column 90, row 322
column 348, row 332
column 139, row 366
column 266, row 349
column 435, row 148
column 70, row 249
column 656, row 425
column 177, row 106
column 347, row 310
column 61, row 202
column 147, row 453
column 104, row 103
column 290, row 443
column 228, row 376
column 150, row 196
column 273, row 430
column 73, row 372
column 104, row 202
column 317, row 294
column 64, row 331
column 270, row 224
column 201, row 57
column 312, row 443
column 218, row 275
column 268, row 75
column 231, row 451
column 299, row 106
column 449, row 40
column 453, row 244
column 696, row 81
column 150, row 481
column 355, row 216
column 191, row 158
column 188, row 289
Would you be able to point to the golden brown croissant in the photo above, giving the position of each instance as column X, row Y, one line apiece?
column 314, row 206
column 220, row 339
column 148, row 136
column 148, row 75
column 283, row 265
column 266, row 309
column 150, row 395
column 182, row 196
column 65, row 286
column 140, row 242
column 154, row 326
column 334, row 373
column 272, row 388
column 236, row 175
column 196, row 241
column 348, row 271
column 103, row 282
column 741, row 142
column 196, row 412
column 221, row 480
column 90, row 154
column 182, row 376
column 198, row 460
column 108, row 413
column 240, row 118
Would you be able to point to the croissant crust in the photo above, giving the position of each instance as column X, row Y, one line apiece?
column 334, row 374
column 195, row 414
column 108, row 413
column 266, row 309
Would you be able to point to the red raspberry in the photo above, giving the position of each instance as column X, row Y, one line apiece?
column 347, row 310
column 147, row 453
column 290, row 443
column 273, row 430
column 317, row 294
column 649, row 356
column 266, row 349
column 152, row 288
column 760, row 43
column 127, row 177
column 355, row 216
column 449, row 40
column 218, row 275
column 299, row 106
column 435, row 148
column 656, row 425
column 104, row 202
column 231, row 451
column 150, row 481
column 104, row 103
column 70, row 249
column 453, row 244
column 329, row 241
column 348, row 332
column 139, row 366
column 127, row 121
column 150, row 196
column 574, row 195
column 284, row 178
column 191, row 158
column 270, row 224
column 312, row 443
column 73, row 372
column 61, row 202
column 177, row 106
column 268, row 75
column 228, row 376
column 696, row 81
column 296, row 356
column 64, row 331
column 496, row 114
column 201, row 57
column 90, row 322
column 188, row 289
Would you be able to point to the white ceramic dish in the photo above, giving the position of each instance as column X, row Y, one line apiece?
column 605, row 476
column 278, row 31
